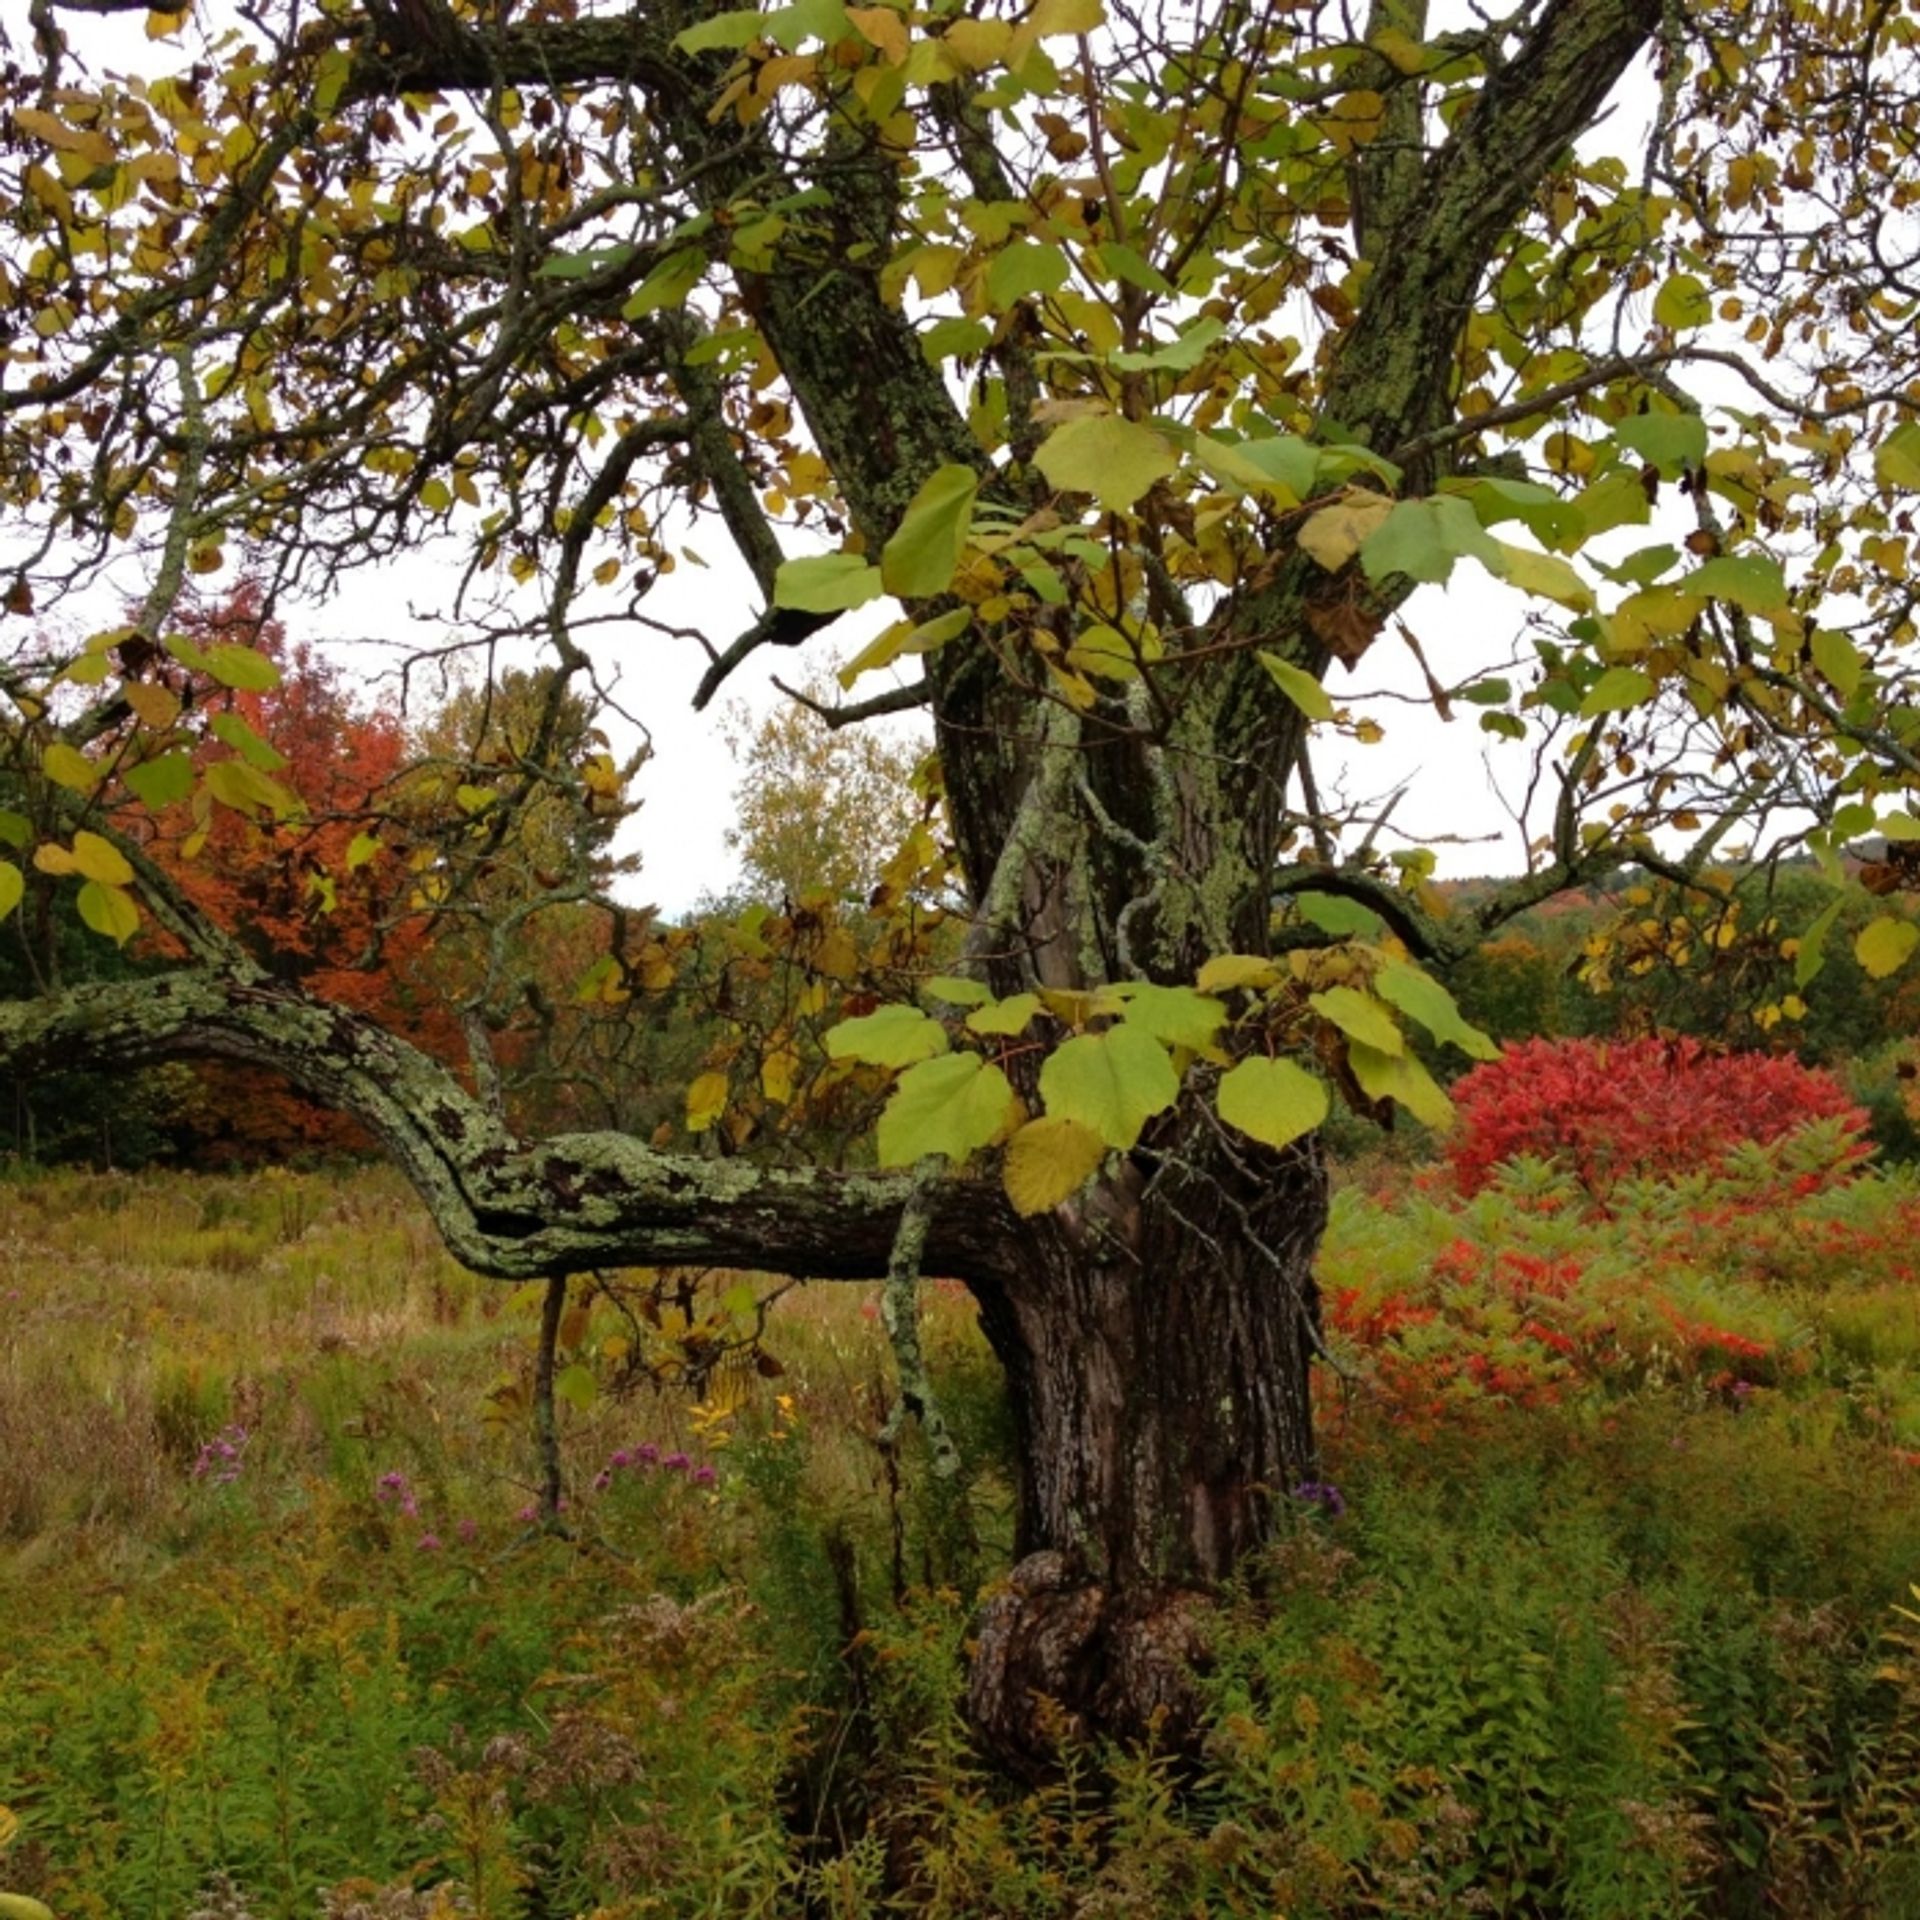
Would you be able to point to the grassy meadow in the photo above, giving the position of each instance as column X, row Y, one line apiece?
column 1596, row 1609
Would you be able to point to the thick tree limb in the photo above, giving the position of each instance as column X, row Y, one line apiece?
column 506, row 1207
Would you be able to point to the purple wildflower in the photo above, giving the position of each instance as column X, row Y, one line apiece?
column 1322, row 1494
column 603, row 1480
column 703, row 1476
column 429, row 1543
column 619, row 1460
column 645, row 1454
column 222, row 1457
column 676, row 1463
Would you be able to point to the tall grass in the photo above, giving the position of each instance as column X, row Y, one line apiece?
column 1604, row 1622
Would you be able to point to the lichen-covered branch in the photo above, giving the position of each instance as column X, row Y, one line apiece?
column 508, row 1207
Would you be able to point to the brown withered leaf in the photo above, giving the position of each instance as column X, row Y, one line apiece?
column 1343, row 628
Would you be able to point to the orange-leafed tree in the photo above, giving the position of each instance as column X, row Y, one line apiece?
column 299, row 870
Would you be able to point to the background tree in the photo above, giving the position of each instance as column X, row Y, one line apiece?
column 1150, row 359
column 818, row 807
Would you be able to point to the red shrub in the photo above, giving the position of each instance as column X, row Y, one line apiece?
column 1614, row 1111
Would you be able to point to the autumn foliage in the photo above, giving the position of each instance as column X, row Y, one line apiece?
column 1621, row 1110
column 309, row 903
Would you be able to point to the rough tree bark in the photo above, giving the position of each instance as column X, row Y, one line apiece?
column 1156, row 1332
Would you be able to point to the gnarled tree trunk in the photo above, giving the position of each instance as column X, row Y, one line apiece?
column 1157, row 1347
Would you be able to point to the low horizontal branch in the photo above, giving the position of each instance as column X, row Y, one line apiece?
column 507, row 1207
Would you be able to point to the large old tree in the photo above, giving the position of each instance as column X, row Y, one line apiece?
column 1150, row 356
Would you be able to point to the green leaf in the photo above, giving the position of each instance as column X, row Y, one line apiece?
column 1005, row 1017
column 1643, row 567
column 15, row 828
column 577, row 266
column 1421, row 997
column 1177, row 356
column 12, row 886
column 242, row 669
column 1049, row 1161
column 1811, row 955
column 1752, row 581
column 1175, row 1016
column 1335, row 914
column 247, row 790
column 1111, row 1082
column 1493, row 692
column 244, row 741
column 1683, row 301
column 1423, row 538
column 362, row 848
column 159, row 783
column 1278, row 465
column 1024, row 267
column 1360, row 1017
column 67, row 767
column 108, row 910
column 924, row 553
column 808, row 20
column 1391, row 1076
column 954, row 1105
column 1129, row 264
column 668, row 285
column 1299, row 686
column 826, row 583
column 1274, row 1101
column 1551, row 520
column 1884, row 946
column 955, row 991
column 954, row 337
column 1673, row 442
column 1839, row 659
column 1616, row 690
column 890, row 1036
column 1546, row 575
column 1896, row 461
column 723, row 32
column 1113, row 459
column 903, row 638
column 576, row 1386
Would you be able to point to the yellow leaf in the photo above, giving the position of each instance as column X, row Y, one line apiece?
column 1335, row 534
column 1885, row 945
column 778, row 1072
column 976, row 44
column 1353, row 120
column 1048, row 1161
column 108, row 911
column 67, row 767
column 155, row 706
column 101, row 860
column 706, row 1101
column 883, row 28
column 89, row 145
column 1225, row 971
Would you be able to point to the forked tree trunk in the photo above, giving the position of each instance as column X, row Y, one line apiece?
column 1157, row 1354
